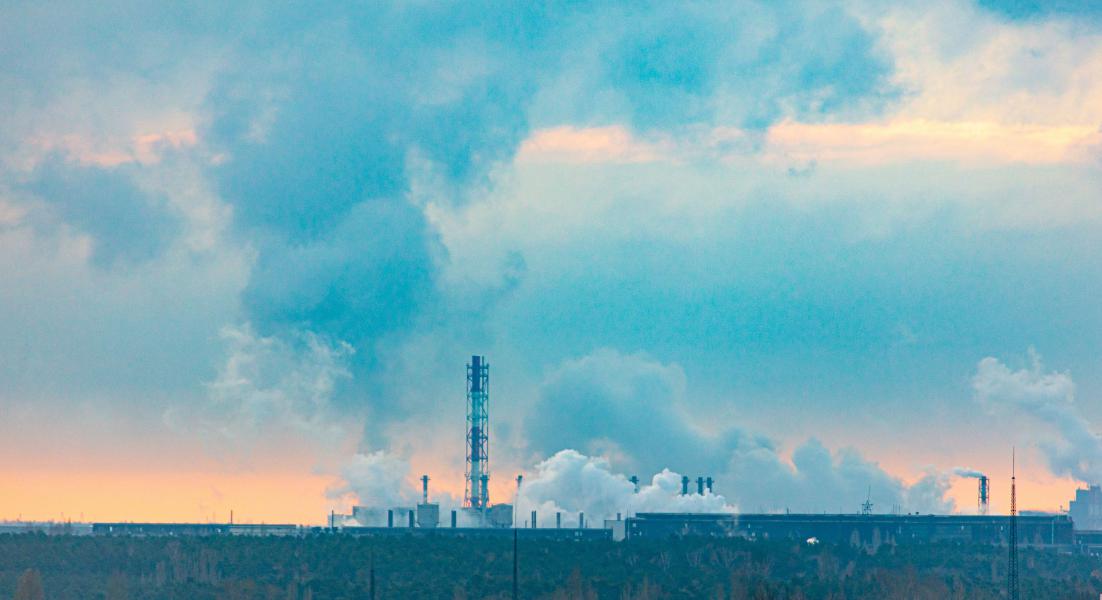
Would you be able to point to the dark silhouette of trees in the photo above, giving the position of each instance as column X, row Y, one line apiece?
column 30, row 586
column 338, row 567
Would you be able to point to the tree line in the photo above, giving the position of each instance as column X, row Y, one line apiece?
column 338, row 567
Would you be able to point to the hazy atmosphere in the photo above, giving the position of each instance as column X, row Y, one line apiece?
column 819, row 251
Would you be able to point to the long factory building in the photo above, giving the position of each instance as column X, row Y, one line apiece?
column 858, row 530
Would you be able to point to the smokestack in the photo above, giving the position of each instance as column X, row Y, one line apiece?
column 581, row 520
column 635, row 482
column 453, row 519
column 684, row 485
column 533, row 519
column 617, row 516
column 984, row 503
column 700, row 486
column 708, row 484
column 558, row 520
column 424, row 489
column 410, row 519
column 477, row 493
column 390, row 518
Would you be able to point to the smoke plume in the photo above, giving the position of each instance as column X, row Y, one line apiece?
column 967, row 473
column 571, row 482
column 1048, row 397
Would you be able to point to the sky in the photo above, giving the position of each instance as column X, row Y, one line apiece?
column 819, row 251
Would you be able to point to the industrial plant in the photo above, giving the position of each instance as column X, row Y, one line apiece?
column 479, row 516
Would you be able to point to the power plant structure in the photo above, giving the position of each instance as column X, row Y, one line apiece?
column 477, row 493
column 476, row 510
column 476, row 516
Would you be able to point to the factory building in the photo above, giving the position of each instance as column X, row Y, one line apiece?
column 1086, row 509
column 858, row 530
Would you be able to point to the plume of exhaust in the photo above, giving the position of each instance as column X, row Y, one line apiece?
column 1048, row 397
column 570, row 482
column 967, row 473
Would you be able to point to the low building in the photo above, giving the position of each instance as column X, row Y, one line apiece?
column 858, row 530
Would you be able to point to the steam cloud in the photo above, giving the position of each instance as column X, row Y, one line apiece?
column 967, row 472
column 1050, row 398
column 613, row 404
column 571, row 482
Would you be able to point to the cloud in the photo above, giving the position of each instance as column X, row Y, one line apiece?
column 1033, row 9
column 269, row 387
column 571, row 482
column 126, row 223
column 376, row 479
column 620, row 404
column 818, row 480
column 1048, row 397
column 632, row 409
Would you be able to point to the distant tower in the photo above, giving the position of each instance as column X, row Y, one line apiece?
column 477, row 494
column 866, row 507
column 984, row 494
column 1012, row 571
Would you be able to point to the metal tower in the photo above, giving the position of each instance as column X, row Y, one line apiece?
column 1012, row 571
column 866, row 506
column 984, row 494
column 477, row 494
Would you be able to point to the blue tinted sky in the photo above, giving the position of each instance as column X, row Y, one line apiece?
column 768, row 241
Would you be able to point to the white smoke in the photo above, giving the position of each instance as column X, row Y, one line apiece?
column 967, row 472
column 377, row 480
column 268, row 386
column 1049, row 398
column 570, row 482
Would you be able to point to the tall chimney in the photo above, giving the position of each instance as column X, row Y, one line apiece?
column 477, row 493
column 700, row 486
column 984, row 492
column 684, row 485
column 708, row 484
column 424, row 489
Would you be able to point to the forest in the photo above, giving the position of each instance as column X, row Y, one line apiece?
column 341, row 567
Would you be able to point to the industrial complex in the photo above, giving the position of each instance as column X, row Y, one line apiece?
column 1080, row 528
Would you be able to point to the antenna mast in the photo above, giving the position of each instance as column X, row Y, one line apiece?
column 1012, row 571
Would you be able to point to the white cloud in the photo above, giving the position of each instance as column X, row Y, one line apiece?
column 1048, row 397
